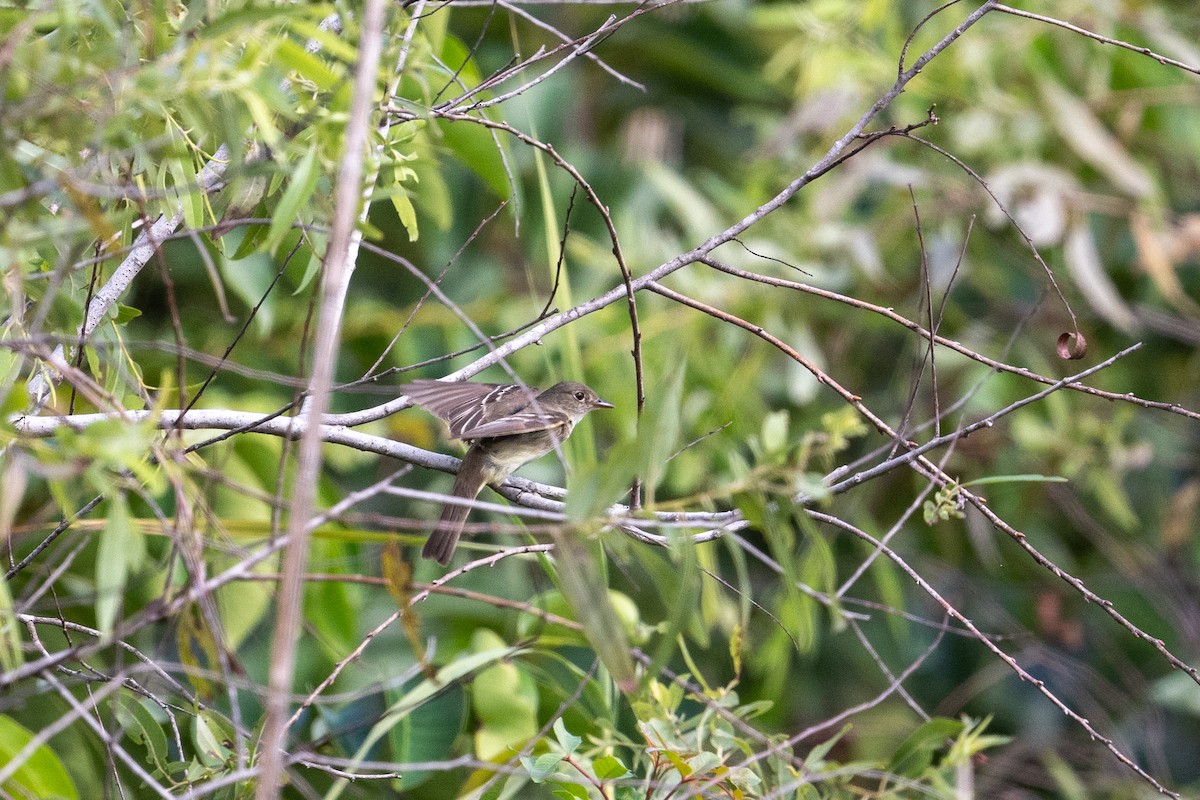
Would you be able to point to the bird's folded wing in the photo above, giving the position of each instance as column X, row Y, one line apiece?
column 521, row 422
column 466, row 405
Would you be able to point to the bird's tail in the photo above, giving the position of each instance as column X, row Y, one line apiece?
column 441, row 543
column 444, row 538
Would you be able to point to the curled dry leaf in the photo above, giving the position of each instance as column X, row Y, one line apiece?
column 1071, row 346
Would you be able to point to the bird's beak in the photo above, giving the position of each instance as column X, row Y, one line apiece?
column 603, row 404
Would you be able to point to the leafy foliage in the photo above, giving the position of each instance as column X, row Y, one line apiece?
column 791, row 601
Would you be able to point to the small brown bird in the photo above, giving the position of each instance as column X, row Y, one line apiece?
column 507, row 426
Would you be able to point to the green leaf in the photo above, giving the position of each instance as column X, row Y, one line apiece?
column 1067, row 780
column 183, row 189
column 556, row 634
column 1025, row 478
column 678, row 583
column 312, row 264
column 392, row 187
column 609, row 768
column 797, row 610
column 125, row 314
column 480, row 152
column 10, row 629
column 579, row 580
column 140, row 725
column 570, row 791
column 121, row 552
column 704, row 762
column 218, row 27
column 306, row 65
column 427, row 734
column 116, row 445
column 432, row 193
column 816, row 756
column 213, row 736
column 658, row 430
column 41, row 775
column 199, row 651
column 569, row 741
column 249, row 278
column 915, row 754
column 774, row 432
column 331, row 43
column 476, row 147
column 595, row 487
column 886, row 576
column 550, row 633
column 681, row 766
column 494, row 790
column 818, row 567
column 841, row 426
column 406, row 212
column 330, row 606
column 264, row 118
column 300, row 188
column 253, row 235
column 542, row 767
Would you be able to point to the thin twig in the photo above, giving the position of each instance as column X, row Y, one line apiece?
column 1146, row 51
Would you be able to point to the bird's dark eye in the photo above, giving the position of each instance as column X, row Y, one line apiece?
column 579, row 395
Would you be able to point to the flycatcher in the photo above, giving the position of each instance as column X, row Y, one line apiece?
column 507, row 426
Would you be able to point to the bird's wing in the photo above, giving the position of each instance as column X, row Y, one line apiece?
column 466, row 405
column 526, row 421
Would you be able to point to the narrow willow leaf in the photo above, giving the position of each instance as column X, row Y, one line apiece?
column 1024, row 478
column 10, row 629
column 580, row 584
column 121, row 551
column 915, row 753
column 306, row 65
column 406, row 212
column 300, row 188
